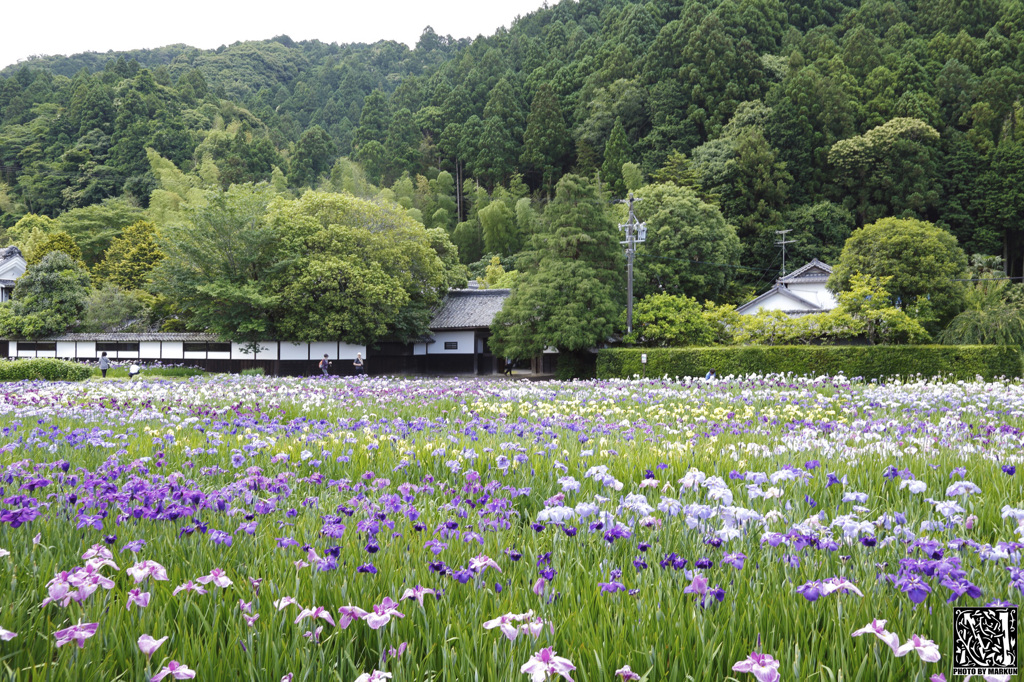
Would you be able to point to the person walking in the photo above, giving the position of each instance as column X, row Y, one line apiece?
column 358, row 364
column 325, row 365
column 104, row 364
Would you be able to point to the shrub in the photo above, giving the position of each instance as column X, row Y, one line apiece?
column 49, row 369
column 254, row 372
column 870, row 362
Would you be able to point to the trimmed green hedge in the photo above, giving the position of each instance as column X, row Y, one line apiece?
column 48, row 369
column 870, row 362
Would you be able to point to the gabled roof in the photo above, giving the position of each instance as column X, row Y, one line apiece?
column 469, row 308
column 813, row 272
column 10, row 252
column 780, row 290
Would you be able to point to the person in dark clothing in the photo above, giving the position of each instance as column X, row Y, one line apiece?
column 325, row 365
column 508, row 366
column 358, row 364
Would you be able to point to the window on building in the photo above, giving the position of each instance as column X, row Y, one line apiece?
column 451, row 345
column 204, row 346
column 37, row 346
column 112, row 346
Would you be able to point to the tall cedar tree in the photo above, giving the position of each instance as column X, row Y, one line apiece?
column 572, row 294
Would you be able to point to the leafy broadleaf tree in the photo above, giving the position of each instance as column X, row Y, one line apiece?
column 48, row 299
column 220, row 263
column 664, row 320
column 112, row 309
column 923, row 261
column 889, row 170
column 571, row 296
column 363, row 271
column 689, row 246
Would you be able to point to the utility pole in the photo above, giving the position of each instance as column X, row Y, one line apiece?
column 636, row 233
column 782, row 242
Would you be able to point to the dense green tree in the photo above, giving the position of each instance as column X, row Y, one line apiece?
column 546, row 142
column 128, row 262
column 616, row 153
column 690, row 250
column 500, row 232
column 365, row 270
column 56, row 241
column 111, row 309
column 664, row 320
column 572, row 293
column 373, row 120
column 402, row 146
column 313, row 157
column 48, row 299
column 889, row 171
column 923, row 261
column 94, row 227
column 220, row 261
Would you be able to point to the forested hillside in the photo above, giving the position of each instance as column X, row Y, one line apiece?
column 817, row 117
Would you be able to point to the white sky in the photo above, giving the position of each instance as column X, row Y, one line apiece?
column 71, row 26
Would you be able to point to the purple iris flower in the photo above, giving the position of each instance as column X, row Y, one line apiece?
column 735, row 560
column 367, row 568
column 810, row 591
column 612, row 587
column 703, row 562
column 915, row 588
column 1009, row 469
column 959, row 588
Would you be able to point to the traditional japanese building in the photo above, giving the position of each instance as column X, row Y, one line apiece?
column 12, row 266
column 801, row 292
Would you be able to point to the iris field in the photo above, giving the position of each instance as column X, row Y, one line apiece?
column 251, row 528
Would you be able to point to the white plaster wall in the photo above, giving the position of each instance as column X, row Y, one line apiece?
column 347, row 351
column 65, row 349
column 147, row 349
column 464, row 339
column 295, row 351
column 173, row 350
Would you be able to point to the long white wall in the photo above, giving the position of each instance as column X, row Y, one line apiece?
column 173, row 351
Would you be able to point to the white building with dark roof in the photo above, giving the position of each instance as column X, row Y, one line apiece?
column 801, row 292
column 12, row 266
column 459, row 333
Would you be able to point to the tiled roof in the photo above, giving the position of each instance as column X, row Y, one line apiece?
column 815, row 271
column 469, row 308
column 127, row 336
column 10, row 252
